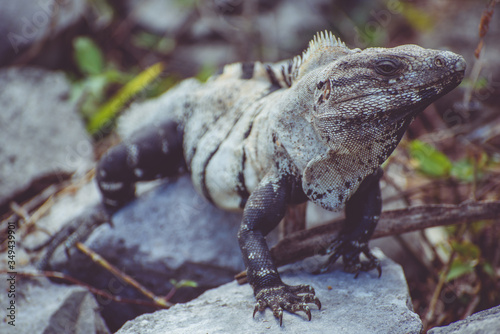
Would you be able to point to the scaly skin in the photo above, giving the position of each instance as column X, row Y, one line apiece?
column 259, row 137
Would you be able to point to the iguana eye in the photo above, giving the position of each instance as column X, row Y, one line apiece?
column 439, row 61
column 387, row 67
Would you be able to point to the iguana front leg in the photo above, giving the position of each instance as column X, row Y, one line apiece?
column 362, row 214
column 265, row 208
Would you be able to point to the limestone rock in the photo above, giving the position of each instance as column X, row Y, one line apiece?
column 168, row 232
column 45, row 307
column 24, row 23
column 41, row 134
column 487, row 321
column 363, row 305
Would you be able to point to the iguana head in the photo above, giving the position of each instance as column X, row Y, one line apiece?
column 362, row 103
column 365, row 94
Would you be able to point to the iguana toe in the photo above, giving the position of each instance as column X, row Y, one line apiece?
column 284, row 297
column 350, row 252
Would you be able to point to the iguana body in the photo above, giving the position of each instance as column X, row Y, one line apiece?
column 259, row 137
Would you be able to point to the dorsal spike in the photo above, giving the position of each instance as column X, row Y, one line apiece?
column 321, row 41
column 323, row 48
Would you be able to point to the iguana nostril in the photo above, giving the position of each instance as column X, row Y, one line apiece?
column 460, row 65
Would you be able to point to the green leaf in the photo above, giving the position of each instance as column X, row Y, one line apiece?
column 183, row 284
column 459, row 268
column 88, row 56
column 187, row 284
column 109, row 110
column 466, row 249
column 488, row 269
column 205, row 72
column 463, row 170
column 429, row 160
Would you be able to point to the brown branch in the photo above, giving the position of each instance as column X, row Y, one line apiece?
column 314, row 241
column 102, row 293
column 98, row 259
column 303, row 244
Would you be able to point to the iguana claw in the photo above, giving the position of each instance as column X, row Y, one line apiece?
column 286, row 297
column 350, row 252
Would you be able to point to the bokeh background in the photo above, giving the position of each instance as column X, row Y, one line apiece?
column 113, row 53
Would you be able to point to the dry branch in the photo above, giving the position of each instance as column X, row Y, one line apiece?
column 306, row 243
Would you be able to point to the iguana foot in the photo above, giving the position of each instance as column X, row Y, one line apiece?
column 286, row 297
column 350, row 250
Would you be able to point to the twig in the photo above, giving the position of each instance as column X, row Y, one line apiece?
column 429, row 315
column 77, row 230
column 158, row 301
column 59, row 275
column 314, row 241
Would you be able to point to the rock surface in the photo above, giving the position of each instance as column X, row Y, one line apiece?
column 41, row 134
column 24, row 23
column 45, row 307
column 169, row 227
column 169, row 232
column 487, row 321
column 363, row 305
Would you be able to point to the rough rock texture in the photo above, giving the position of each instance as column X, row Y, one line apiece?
column 170, row 226
column 26, row 22
column 169, row 232
column 45, row 307
column 41, row 134
column 487, row 321
column 363, row 305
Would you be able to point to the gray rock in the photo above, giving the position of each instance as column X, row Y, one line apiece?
column 158, row 16
column 487, row 321
column 45, row 307
column 363, row 305
column 41, row 134
column 169, row 232
column 24, row 22
column 172, row 227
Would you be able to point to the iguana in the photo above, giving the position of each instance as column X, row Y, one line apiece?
column 258, row 137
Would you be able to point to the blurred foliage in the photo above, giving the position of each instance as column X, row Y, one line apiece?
column 153, row 42
column 466, row 266
column 419, row 19
column 98, row 106
column 88, row 56
column 428, row 160
column 105, row 12
column 467, row 257
column 122, row 62
column 186, row 3
column 205, row 72
column 108, row 111
column 434, row 163
column 183, row 284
